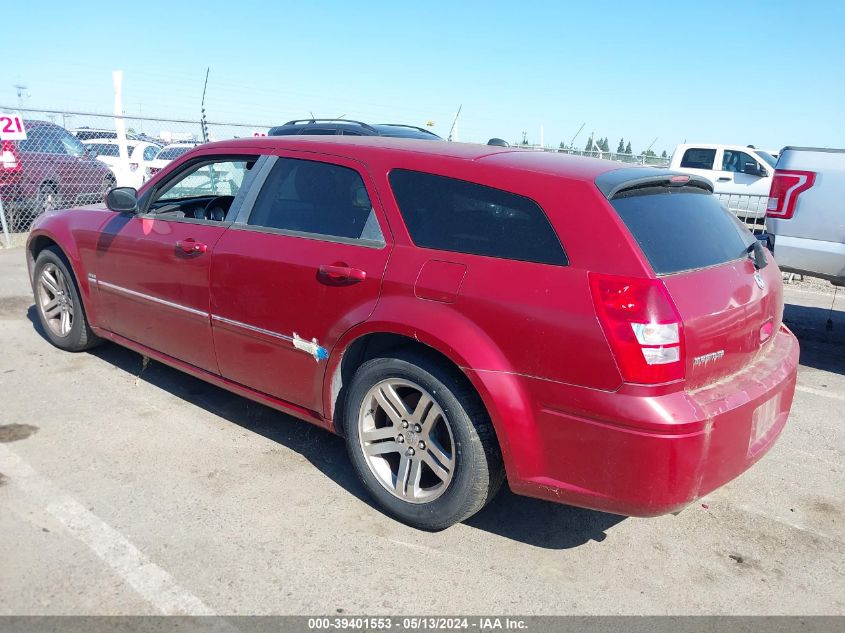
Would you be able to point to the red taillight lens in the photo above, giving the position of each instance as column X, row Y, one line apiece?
column 9, row 160
column 642, row 326
column 787, row 185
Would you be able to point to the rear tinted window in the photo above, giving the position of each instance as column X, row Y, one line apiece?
column 682, row 230
column 464, row 217
column 695, row 158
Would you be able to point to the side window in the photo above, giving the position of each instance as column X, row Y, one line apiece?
column 319, row 131
column 464, row 217
column 150, row 152
column 316, row 198
column 70, row 144
column 50, row 141
column 221, row 178
column 32, row 143
column 698, row 158
column 733, row 160
column 205, row 189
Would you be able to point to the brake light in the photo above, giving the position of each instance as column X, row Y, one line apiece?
column 642, row 326
column 9, row 160
column 787, row 185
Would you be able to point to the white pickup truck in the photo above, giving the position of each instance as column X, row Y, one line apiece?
column 741, row 176
column 805, row 216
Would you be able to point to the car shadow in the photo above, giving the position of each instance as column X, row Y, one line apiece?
column 531, row 521
column 821, row 348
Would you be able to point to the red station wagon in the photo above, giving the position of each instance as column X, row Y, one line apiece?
column 600, row 335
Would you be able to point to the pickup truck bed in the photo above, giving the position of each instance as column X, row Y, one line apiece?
column 805, row 216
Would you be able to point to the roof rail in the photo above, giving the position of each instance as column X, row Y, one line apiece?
column 307, row 121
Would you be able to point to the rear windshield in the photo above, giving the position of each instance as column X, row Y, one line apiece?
column 680, row 230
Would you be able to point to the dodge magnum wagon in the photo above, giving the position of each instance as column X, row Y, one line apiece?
column 463, row 315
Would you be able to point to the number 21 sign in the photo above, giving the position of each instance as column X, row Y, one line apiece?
column 11, row 127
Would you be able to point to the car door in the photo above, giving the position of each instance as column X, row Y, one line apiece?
column 294, row 272
column 152, row 268
column 745, row 194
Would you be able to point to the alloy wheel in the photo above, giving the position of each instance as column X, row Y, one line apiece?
column 55, row 300
column 406, row 440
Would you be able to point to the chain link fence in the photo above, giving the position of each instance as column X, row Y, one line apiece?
column 73, row 158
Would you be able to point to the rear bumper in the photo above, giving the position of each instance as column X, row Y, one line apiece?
column 645, row 455
column 815, row 258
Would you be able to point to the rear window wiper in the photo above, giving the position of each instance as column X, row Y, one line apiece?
column 757, row 254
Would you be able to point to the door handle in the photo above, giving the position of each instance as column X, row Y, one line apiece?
column 341, row 272
column 723, row 179
column 190, row 245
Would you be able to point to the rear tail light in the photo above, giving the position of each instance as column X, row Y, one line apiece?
column 133, row 166
column 9, row 159
column 642, row 326
column 787, row 185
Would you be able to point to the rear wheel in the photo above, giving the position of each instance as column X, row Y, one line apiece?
column 421, row 441
column 58, row 303
column 48, row 198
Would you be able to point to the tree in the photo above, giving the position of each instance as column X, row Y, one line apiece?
column 620, row 149
column 589, row 146
column 663, row 155
column 628, row 149
column 604, row 144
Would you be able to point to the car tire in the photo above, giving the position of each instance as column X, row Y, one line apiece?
column 48, row 199
column 445, row 450
column 59, row 304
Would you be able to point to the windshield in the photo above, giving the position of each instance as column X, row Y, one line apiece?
column 171, row 153
column 770, row 160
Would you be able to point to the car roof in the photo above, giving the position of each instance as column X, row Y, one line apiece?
column 361, row 147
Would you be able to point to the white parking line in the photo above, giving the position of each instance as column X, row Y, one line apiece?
column 153, row 583
column 819, row 392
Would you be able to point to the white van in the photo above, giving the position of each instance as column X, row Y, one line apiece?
column 741, row 175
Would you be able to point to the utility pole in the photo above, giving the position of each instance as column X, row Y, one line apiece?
column 572, row 142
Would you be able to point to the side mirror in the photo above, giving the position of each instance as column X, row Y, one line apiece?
column 753, row 169
column 122, row 199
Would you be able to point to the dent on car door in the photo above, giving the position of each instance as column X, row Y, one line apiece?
column 152, row 268
column 296, row 271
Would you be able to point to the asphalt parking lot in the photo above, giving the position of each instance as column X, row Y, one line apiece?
column 128, row 488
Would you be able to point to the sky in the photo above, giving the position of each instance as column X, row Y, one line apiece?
column 764, row 73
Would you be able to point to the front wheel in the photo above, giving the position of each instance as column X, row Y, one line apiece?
column 59, row 305
column 421, row 441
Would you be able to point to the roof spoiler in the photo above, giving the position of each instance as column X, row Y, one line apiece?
column 613, row 183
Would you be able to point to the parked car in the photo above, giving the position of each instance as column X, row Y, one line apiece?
column 455, row 311
column 741, row 175
column 140, row 156
column 164, row 156
column 805, row 219
column 348, row 127
column 90, row 133
column 49, row 170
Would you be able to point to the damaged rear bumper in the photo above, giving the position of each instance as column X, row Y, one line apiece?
column 640, row 452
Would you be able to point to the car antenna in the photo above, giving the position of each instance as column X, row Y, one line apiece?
column 454, row 122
